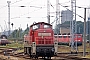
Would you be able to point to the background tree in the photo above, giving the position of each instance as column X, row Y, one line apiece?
column 26, row 31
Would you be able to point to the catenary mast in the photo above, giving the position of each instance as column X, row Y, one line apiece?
column 57, row 12
column 73, row 26
column 48, row 11
column 8, row 17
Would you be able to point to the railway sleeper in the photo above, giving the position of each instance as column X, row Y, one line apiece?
column 74, row 52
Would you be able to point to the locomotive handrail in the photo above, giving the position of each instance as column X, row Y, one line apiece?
column 27, row 39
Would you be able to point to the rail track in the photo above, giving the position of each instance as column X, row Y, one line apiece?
column 60, row 56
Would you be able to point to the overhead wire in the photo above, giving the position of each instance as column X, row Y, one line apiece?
column 14, row 3
column 21, row 0
column 3, row 6
column 71, row 11
column 55, row 12
column 28, row 13
column 11, row 4
column 7, row 5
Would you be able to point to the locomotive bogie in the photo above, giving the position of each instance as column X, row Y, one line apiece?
column 26, row 50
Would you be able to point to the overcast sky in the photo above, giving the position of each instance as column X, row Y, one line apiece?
column 18, row 15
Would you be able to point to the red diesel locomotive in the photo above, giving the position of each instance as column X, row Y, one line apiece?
column 65, row 39
column 40, row 41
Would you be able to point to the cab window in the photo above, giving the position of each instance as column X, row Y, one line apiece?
column 36, row 27
column 46, row 26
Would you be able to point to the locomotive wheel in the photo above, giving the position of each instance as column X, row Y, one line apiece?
column 29, row 49
column 32, row 56
column 30, row 53
column 49, row 57
column 36, row 57
column 46, row 57
column 43, row 57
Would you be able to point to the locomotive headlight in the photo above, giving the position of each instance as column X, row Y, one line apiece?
column 78, row 40
column 32, row 32
column 44, row 31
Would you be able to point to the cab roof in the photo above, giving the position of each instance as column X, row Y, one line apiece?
column 40, row 23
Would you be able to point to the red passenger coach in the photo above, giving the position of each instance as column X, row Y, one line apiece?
column 40, row 41
column 62, row 39
column 65, row 39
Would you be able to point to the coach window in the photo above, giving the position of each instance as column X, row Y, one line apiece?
column 64, row 36
column 36, row 26
column 68, row 36
column 46, row 26
column 79, row 36
column 60, row 36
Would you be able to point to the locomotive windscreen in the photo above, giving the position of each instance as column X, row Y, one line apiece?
column 36, row 26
